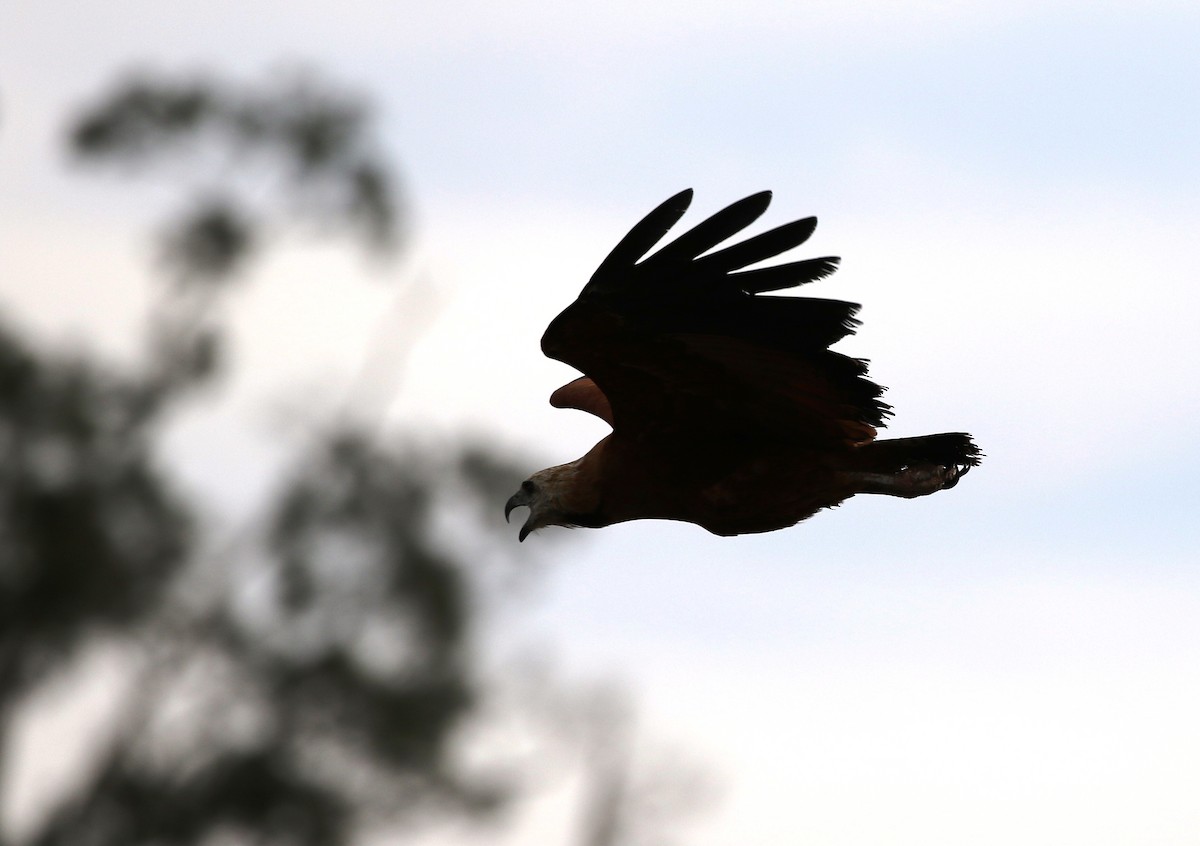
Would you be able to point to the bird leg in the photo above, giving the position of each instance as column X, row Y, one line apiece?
column 910, row 482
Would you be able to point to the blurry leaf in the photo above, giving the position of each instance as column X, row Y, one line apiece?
column 257, row 791
column 142, row 116
column 318, row 129
column 371, row 202
column 311, row 138
column 210, row 243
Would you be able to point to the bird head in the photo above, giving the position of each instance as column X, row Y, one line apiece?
column 549, row 495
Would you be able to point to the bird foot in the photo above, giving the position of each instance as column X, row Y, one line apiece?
column 910, row 482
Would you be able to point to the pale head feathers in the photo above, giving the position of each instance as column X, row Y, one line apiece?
column 557, row 496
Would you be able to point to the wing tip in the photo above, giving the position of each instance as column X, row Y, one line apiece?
column 759, row 201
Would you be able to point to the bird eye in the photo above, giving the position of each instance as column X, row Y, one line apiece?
column 527, row 486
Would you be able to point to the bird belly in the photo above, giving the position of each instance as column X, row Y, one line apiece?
column 764, row 495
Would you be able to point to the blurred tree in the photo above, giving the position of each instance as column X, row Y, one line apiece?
column 90, row 533
column 326, row 703
column 292, row 689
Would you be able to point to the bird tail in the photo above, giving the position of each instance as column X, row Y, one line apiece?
column 947, row 449
column 910, row 467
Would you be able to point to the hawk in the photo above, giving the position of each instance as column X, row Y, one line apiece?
column 727, row 406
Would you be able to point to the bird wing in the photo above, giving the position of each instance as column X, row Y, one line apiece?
column 684, row 344
column 585, row 395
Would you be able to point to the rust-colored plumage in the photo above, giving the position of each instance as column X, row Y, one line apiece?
column 728, row 408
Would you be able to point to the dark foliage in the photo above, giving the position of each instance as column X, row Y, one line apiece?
column 90, row 533
column 242, row 793
column 211, row 242
column 308, row 139
column 329, row 702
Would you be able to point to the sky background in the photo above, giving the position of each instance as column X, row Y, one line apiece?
column 1014, row 188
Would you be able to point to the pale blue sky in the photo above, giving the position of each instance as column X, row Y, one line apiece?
column 1057, row 101
column 1015, row 190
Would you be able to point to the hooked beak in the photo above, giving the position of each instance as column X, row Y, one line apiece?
column 520, row 498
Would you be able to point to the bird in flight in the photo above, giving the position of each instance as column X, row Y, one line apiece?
column 727, row 407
